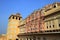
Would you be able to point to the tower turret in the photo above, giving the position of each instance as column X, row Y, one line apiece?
column 13, row 23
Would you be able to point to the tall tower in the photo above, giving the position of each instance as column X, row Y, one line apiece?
column 13, row 23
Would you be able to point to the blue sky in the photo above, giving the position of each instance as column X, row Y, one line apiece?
column 24, row 7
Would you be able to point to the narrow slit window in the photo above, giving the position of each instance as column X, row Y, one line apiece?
column 53, row 26
column 47, row 27
column 50, row 26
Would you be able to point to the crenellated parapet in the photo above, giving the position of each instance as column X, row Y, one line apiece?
column 17, row 16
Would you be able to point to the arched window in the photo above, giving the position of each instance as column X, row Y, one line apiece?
column 16, row 18
column 19, row 18
column 13, row 17
column 54, row 6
